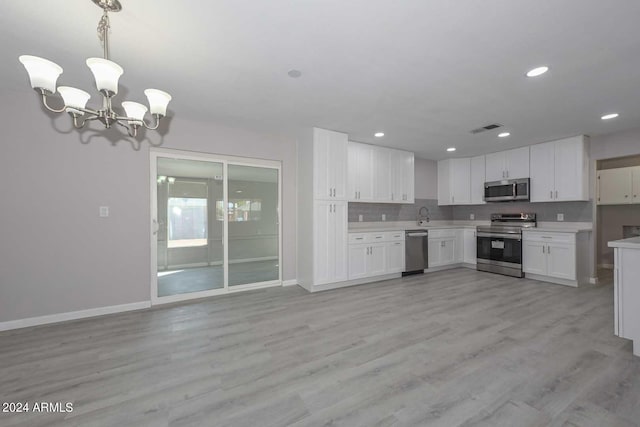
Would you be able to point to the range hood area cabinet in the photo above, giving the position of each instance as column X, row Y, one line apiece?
column 379, row 174
column 620, row 186
column 510, row 164
column 560, row 170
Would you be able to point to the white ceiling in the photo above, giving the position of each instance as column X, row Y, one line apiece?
column 425, row 72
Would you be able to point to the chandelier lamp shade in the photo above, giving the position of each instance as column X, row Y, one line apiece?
column 44, row 74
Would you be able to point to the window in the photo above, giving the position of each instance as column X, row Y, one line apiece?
column 240, row 210
column 187, row 222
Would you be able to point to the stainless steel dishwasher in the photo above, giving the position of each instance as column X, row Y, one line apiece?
column 416, row 251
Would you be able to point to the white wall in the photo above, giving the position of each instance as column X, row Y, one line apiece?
column 57, row 255
column 426, row 175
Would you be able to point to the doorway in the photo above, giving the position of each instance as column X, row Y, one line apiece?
column 215, row 225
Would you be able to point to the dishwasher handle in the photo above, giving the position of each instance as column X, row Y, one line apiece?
column 421, row 234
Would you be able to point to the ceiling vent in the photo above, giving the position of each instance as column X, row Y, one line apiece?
column 486, row 128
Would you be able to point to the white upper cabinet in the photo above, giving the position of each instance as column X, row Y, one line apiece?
column 454, row 182
column 619, row 186
column 329, row 165
column 560, row 170
column 510, row 164
column 380, row 174
column 361, row 172
column 477, row 180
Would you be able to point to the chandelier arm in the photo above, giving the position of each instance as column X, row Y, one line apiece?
column 131, row 130
column 84, row 121
column 154, row 127
column 44, row 102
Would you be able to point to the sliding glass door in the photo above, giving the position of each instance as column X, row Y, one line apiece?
column 215, row 225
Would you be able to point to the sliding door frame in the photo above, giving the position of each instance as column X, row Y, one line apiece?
column 155, row 154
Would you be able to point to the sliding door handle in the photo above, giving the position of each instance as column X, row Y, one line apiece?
column 156, row 226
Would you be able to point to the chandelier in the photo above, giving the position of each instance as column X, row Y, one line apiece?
column 43, row 75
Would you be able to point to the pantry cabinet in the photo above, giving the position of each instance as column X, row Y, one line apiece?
column 330, row 242
column 329, row 165
column 560, row 170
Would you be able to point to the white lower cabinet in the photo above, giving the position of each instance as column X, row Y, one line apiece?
column 550, row 254
column 375, row 254
column 330, row 233
column 470, row 246
column 445, row 247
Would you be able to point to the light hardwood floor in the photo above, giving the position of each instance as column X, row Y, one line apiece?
column 450, row 348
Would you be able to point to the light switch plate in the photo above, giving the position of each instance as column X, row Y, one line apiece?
column 384, row 217
column 561, row 217
column 360, row 218
column 472, row 216
column 104, row 211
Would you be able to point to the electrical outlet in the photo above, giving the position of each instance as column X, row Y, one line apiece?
column 561, row 217
column 384, row 217
column 360, row 218
column 472, row 216
column 104, row 211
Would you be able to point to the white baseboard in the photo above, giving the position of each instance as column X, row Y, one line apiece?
column 593, row 280
column 290, row 282
column 73, row 315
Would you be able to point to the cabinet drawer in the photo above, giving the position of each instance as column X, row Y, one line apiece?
column 359, row 238
column 539, row 236
column 442, row 233
column 395, row 236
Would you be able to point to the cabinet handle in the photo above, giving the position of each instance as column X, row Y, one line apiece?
column 334, row 192
column 556, row 194
column 453, row 199
column 551, row 194
column 330, row 192
column 626, row 195
column 391, row 196
column 542, row 248
column 548, row 249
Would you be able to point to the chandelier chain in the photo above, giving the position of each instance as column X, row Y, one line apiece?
column 103, row 27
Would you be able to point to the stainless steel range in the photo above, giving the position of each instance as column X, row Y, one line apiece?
column 499, row 246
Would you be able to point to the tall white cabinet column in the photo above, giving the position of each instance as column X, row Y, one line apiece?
column 322, row 208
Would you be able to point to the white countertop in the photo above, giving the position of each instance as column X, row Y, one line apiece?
column 630, row 243
column 548, row 227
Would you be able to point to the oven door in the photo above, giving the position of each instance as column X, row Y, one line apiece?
column 500, row 249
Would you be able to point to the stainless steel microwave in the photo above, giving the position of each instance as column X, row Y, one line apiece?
column 507, row 190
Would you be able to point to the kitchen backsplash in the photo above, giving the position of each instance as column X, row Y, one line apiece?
column 372, row 212
column 547, row 212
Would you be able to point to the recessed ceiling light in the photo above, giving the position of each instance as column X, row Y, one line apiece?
column 609, row 116
column 378, row 134
column 538, row 71
column 451, row 149
column 294, row 73
column 503, row 135
column 238, row 191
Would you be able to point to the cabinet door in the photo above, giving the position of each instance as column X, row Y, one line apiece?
column 382, row 174
column 571, row 170
column 322, row 185
column 340, row 235
column 352, row 172
column 338, row 165
column 434, row 252
column 460, row 181
column 517, row 163
column 395, row 157
column 377, row 259
column 470, row 247
column 495, row 170
column 395, row 257
column 408, row 177
column 561, row 260
column 635, row 186
column 448, row 251
column 444, row 186
column 542, row 172
column 534, row 257
column 477, row 181
column 358, row 261
column 614, row 186
column 365, row 172
column 322, row 242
